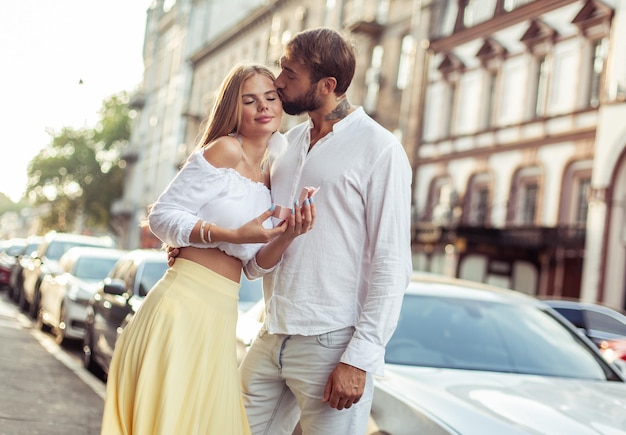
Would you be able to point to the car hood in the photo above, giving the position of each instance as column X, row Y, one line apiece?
column 474, row 402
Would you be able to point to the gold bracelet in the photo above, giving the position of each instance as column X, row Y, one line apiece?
column 202, row 239
column 208, row 233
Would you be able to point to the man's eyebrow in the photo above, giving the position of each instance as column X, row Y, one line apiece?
column 281, row 63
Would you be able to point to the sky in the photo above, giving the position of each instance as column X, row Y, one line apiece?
column 47, row 47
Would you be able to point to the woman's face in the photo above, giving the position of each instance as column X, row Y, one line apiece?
column 262, row 110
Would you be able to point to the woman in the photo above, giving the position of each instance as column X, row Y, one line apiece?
column 174, row 368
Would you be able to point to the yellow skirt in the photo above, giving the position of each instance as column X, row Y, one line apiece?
column 174, row 368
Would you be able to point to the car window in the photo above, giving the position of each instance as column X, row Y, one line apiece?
column 30, row 248
column 485, row 335
column 93, row 268
column 573, row 315
column 250, row 292
column 57, row 248
column 603, row 322
column 150, row 274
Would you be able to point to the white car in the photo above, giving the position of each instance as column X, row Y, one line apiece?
column 471, row 359
column 64, row 295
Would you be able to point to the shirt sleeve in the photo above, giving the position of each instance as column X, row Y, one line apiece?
column 254, row 271
column 388, row 221
column 175, row 213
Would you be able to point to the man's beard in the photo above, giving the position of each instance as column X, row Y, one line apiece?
column 307, row 103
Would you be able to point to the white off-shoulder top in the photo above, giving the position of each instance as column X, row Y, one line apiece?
column 218, row 195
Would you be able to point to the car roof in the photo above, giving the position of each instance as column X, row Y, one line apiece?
column 443, row 286
column 580, row 305
column 94, row 251
column 146, row 254
column 100, row 240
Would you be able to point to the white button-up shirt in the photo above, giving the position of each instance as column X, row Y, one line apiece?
column 353, row 267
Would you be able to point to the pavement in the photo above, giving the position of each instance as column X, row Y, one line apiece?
column 43, row 388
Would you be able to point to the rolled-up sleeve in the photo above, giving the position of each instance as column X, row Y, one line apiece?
column 388, row 233
column 175, row 213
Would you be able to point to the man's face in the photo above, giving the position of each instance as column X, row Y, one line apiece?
column 295, row 89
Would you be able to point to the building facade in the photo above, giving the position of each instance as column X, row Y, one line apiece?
column 509, row 111
column 520, row 180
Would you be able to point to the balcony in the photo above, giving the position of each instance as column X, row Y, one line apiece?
column 130, row 154
column 122, row 208
column 563, row 236
column 365, row 16
column 534, row 238
column 137, row 101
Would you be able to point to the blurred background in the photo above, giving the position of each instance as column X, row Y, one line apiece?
column 511, row 113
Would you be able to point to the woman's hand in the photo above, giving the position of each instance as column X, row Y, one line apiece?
column 301, row 220
column 254, row 231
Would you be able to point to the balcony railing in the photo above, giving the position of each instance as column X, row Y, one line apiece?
column 366, row 16
column 563, row 236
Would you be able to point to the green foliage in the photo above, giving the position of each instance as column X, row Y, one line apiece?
column 77, row 176
column 6, row 204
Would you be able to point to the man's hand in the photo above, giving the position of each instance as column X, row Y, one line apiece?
column 172, row 253
column 344, row 387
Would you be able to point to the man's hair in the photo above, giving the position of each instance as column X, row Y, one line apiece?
column 325, row 53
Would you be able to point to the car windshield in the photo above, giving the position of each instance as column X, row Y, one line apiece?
column 57, row 248
column 152, row 272
column 470, row 334
column 250, row 292
column 93, row 268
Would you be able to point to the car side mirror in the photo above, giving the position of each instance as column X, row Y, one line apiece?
column 115, row 287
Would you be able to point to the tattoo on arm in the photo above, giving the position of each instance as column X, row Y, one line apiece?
column 341, row 111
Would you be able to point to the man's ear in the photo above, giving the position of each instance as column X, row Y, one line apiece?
column 328, row 85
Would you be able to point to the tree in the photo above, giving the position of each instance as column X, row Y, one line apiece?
column 76, row 178
column 6, row 204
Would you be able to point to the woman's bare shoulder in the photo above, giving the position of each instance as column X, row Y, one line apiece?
column 223, row 152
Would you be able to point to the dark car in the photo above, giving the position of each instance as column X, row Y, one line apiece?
column 16, row 277
column 115, row 301
column 8, row 257
column 45, row 261
column 605, row 326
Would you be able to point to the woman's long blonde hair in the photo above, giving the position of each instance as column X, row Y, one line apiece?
column 225, row 117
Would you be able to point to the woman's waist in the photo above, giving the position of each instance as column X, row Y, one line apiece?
column 215, row 260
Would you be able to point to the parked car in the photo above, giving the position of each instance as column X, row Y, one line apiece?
column 116, row 300
column 605, row 326
column 8, row 257
column 250, row 292
column 467, row 358
column 16, row 278
column 45, row 261
column 248, row 325
column 64, row 296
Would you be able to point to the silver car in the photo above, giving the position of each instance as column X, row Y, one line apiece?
column 467, row 358
column 64, row 295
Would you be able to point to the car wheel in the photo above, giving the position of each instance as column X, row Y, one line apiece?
column 59, row 331
column 23, row 303
column 89, row 361
column 34, row 307
column 41, row 325
column 15, row 292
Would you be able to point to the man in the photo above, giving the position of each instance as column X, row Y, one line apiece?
column 334, row 300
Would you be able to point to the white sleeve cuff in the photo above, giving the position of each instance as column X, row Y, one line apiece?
column 365, row 356
column 254, row 271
